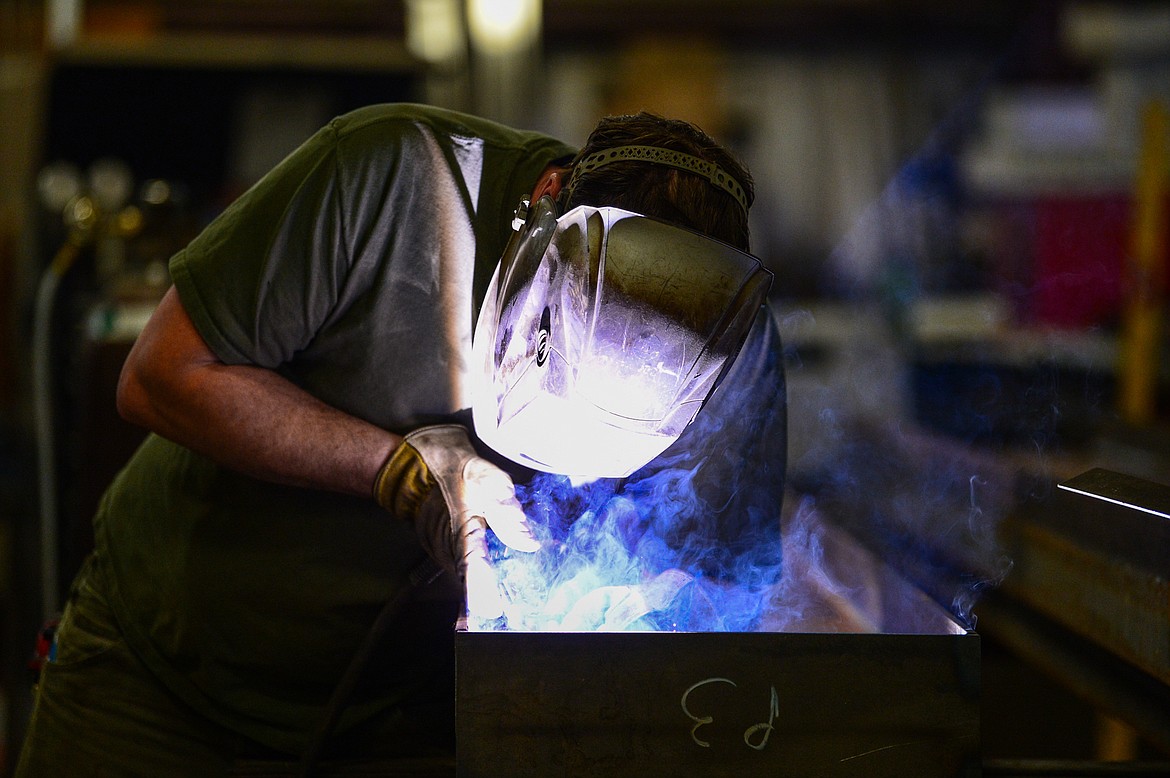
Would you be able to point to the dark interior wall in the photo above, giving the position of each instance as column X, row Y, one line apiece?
column 178, row 122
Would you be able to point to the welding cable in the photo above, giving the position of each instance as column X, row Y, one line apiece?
column 81, row 216
column 423, row 574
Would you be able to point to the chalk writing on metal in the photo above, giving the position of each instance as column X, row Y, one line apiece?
column 700, row 720
column 765, row 727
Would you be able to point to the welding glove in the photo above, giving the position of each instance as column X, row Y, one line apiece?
column 437, row 482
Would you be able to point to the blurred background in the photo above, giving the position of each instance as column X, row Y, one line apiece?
column 964, row 204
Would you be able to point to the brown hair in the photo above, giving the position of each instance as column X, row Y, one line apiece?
column 667, row 193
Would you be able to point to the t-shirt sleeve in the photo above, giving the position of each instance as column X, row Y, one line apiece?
column 261, row 278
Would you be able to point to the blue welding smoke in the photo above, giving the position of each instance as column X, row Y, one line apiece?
column 689, row 542
column 693, row 542
column 617, row 557
column 924, row 485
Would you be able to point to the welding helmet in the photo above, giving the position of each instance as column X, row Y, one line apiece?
column 602, row 334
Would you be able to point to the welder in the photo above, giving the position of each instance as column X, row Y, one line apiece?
column 309, row 381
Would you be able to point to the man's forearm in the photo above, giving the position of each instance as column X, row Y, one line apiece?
column 248, row 418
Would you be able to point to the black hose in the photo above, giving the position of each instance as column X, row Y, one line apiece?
column 423, row 574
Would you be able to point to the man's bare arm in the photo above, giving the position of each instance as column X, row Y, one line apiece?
column 248, row 418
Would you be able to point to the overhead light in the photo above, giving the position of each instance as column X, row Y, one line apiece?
column 434, row 30
column 502, row 27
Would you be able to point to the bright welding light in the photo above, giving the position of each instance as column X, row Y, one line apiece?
column 602, row 334
column 582, row 445
column 483, row 598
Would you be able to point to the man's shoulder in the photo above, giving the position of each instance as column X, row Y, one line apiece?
column 403, row 119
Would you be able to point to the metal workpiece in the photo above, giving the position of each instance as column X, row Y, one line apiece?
column 1123, row 516
column 853, row 672
column 1124, row 490
column 1096, row 559
column 1088, row 598
column 745, row 704
column 1089, row 671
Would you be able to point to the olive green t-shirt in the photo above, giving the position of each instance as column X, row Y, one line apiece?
column 354, row 269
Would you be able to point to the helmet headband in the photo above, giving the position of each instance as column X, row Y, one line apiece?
column 660, row 156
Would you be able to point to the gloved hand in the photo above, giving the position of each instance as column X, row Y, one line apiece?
column 436, row 481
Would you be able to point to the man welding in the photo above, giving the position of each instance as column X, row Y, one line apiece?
column 309, row 381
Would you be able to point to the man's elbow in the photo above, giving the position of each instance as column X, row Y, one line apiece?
column 132, row 398
column 156, row 375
